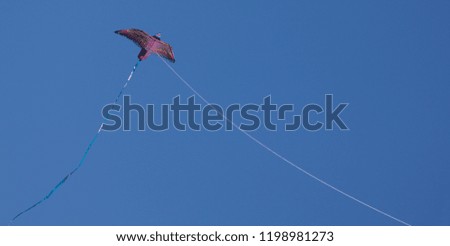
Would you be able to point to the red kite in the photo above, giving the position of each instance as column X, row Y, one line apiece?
column 149, row 44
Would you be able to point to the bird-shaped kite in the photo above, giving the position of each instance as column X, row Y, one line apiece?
column 149, row 44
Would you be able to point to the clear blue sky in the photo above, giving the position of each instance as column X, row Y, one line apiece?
column 61, row 63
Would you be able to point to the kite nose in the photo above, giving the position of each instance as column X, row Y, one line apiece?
column 117, row 32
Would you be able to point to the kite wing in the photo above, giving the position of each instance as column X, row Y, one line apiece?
column 139, row 37
column 163, row 49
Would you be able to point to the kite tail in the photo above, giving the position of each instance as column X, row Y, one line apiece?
column 128, row 80
column 91, row 143
column 63, row 180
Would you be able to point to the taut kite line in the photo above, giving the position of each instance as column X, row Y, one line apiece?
column 281, row 157
column 149, row 44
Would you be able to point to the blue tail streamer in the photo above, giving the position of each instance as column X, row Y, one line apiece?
column 91, row 143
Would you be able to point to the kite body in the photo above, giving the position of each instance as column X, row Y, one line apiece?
column 149, row 44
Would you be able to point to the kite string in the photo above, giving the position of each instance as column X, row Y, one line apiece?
column 284, row 158
column 91, row 143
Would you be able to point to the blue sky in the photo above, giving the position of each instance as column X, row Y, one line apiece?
column 61, row 63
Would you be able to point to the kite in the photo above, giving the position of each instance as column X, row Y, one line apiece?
column 149, row 45
column 153, row 44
